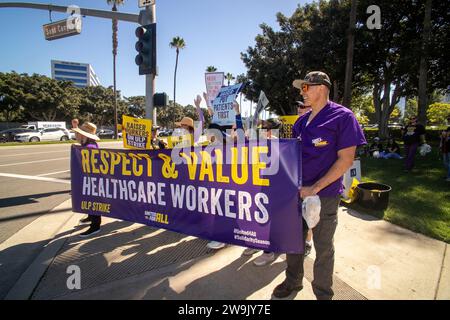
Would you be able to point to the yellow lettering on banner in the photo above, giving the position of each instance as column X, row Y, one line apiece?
column 257, row 165
column 206, row 167
column 244, row 165
column 125, row 162
column 192, row 162
column 219, row 164
column 94, row 161
column 85, row 161
column 149, row 163
column 138, row 170
column 115, row 160
column 168, row 167
column 104, row 166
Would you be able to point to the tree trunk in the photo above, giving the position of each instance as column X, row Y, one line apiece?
column 172, row 115
column 335, row 91
column 175, row 80
column 423, row 68
column 349, row 63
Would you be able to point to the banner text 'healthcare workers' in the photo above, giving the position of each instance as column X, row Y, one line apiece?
column 205, row 196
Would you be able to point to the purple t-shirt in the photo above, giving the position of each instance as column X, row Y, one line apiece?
column 332, row 129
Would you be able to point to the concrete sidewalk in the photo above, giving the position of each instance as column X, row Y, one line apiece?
column 374, row 260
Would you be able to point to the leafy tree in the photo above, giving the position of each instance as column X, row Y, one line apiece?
column 10, row 91
column 136, row 106
column 48, row 99
column 438, row 113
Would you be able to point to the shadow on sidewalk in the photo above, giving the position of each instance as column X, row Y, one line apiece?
column 115, row 254
column 236, row 281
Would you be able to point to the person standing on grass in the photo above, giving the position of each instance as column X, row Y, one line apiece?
column 413, row 135
column 329, row 135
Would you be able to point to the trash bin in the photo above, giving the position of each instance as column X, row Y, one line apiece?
column 373, row 195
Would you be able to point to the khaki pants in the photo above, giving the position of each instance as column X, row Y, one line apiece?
column 323, row 235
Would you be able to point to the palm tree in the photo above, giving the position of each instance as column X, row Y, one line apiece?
column 211, row 69
column 177, row 43
column 229, row 77
column 115, row 3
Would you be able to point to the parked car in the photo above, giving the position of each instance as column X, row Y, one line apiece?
column 108, row 134
column 8, row 135
column 50, row 134
column 105, row 134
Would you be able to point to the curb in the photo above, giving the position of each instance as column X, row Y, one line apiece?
column 28, row 281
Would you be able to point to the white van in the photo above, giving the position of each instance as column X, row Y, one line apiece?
column 36, row 125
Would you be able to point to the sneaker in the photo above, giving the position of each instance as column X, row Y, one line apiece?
column 264, row 259
column 249, row 252
column 86, row 220
column 89, row 232
column 308, row 248
column 215, row 245
column 284, row 290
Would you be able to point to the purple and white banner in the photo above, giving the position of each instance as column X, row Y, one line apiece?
column 225, row 193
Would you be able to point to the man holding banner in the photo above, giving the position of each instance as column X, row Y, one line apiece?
column 329, row 137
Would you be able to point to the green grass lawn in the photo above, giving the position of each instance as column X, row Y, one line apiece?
column 419, row 201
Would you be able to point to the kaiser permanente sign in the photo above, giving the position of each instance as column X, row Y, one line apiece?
column 63, row 28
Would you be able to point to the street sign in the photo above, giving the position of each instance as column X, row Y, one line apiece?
column 146, row 3
column 63, row 28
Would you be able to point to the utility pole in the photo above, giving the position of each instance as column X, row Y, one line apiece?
column 150, row 78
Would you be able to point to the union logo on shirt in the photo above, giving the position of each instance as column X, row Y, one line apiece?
column 318, row 142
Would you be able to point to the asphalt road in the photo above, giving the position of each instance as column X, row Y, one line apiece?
column 25, row 196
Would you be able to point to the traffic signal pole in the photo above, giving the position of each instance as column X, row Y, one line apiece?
column 147, row 16
column 150, row 78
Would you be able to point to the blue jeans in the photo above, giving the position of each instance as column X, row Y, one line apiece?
column 392, row 156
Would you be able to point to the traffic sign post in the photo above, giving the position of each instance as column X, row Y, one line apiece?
column 61, row 29
column 146, row 3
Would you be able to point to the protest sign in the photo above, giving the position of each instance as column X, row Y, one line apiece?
column 287, row 124
column 214, row 81
column 224, row 114
column 234, row 202
column 137, row 133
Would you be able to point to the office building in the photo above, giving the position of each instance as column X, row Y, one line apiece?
column 81, row 74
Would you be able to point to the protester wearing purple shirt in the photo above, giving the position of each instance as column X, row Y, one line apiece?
column 329, row 134
column 332, row 129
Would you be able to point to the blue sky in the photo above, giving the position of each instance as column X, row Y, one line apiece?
column 215, row 32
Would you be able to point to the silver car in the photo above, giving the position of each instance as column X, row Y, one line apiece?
column 49, row 134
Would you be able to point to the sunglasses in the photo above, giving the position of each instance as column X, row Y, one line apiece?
column 305, row 86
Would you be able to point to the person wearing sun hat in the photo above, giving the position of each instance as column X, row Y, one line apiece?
column 86, row 136
column 186, row 123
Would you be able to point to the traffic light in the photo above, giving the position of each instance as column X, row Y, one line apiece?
column 160, row 100
column 146, row 47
